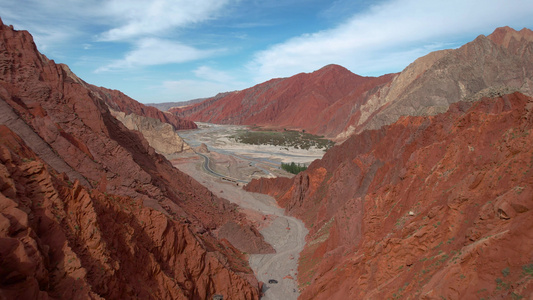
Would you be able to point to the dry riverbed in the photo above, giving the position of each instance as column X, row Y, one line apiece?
column 244, row 162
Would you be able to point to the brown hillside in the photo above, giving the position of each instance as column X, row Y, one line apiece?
column 320, row 102
column 428, row 207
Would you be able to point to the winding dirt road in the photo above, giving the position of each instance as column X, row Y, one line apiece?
column 286, row 234
column 237, row 161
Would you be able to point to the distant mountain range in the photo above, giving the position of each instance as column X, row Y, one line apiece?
column 168, row 105
column 336, row 103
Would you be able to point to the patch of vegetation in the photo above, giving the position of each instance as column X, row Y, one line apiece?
column 502, row 285
column 293, row 168
column 286, row 138
column 528, row 269
column 506, row 272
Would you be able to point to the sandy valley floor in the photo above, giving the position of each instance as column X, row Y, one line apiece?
column 244, row 162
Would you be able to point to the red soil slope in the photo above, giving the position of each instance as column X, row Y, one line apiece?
column 428, row 207
column 319, row 102
column 122, row 209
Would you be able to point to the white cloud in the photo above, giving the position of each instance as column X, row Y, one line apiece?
column 154, row 51
column 208, row 73
column 404, row 29
column 138, row 21
column 148, row 26
column 53, row 24
column 187, row 89
column 142, row 18
column 209, row 83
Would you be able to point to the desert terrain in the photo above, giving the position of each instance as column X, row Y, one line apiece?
column 241, row 162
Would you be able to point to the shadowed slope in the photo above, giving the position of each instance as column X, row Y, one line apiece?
column 130, row 211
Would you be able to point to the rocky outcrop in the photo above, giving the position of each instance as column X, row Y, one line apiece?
column 430, row 207
column 59, row 239
column 157, row 127
column 488, row 66
column 129, row 212
column 337, row 103
column 161, row 136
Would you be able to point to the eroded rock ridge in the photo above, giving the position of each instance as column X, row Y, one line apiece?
column 89, row 210
column 427, row 207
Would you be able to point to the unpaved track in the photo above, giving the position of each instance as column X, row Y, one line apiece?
column 286, row 234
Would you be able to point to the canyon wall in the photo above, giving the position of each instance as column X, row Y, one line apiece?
column 59, row 239
column 159, row 128
column 428, row 207
column 89, row 209
column 161, row 136
column 118, row 101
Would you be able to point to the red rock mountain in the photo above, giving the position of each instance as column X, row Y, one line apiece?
column 120, row 102
column 336, row 103
column 89, row 210
column 426, row 208
column 319, row 102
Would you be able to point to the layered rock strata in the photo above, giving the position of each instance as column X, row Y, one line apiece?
column 161, row 136
column 59, row 239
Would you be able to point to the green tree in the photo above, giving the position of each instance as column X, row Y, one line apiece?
column 293, row 167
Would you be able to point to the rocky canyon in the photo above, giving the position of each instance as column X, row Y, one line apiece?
column 427, row 207
column 427, row 194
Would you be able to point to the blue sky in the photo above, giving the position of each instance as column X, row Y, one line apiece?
column 164, row 50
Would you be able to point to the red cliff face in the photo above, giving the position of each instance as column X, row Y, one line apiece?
column 137, row 212
column 59, row 239
column 319, row 102
column 428, row 207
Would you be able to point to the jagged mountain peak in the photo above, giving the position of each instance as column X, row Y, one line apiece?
column 504, row 35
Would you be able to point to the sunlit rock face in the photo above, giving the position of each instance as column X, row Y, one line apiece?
column 320, row 102
column 161, row 136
